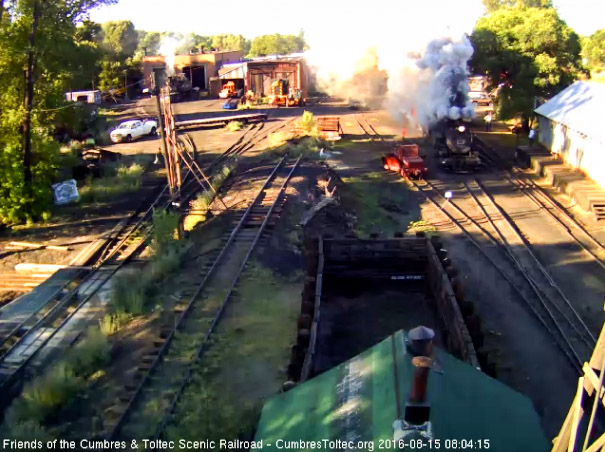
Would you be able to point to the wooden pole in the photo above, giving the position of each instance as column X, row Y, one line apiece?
column 162, row 137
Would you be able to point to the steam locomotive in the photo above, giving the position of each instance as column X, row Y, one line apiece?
column 453, row 143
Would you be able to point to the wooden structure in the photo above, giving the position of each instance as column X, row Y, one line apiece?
column 579, row 431
column 175, row 152
column 220, row 120
column 329, row 128
column 412, row 262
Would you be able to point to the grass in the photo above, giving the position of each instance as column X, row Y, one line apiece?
column 234, row 126
column 117, row 181
column 132, row 293
column 44, row 399
column 246, row 361
column 381, row 204
column 200, row 205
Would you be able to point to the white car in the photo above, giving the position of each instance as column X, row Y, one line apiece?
column 131, row 130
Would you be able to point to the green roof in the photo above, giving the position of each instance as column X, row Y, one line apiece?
column 357, row 401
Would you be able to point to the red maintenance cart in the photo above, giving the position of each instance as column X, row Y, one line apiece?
column 405, row 160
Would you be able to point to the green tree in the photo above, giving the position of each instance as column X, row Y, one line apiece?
column 525, row 52
column 493, row 5
column 593, row 50
column 230, row 42
column 40, row 36
column 119, row 43
column 148, row 43
column 277, row 44
column 120, row 38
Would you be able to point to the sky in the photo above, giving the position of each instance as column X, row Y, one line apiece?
column 319, row 17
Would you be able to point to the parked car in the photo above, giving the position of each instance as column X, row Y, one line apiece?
column 133, row 129
column 480, row 98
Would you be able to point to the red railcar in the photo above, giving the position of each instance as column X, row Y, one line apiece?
column 405, row 160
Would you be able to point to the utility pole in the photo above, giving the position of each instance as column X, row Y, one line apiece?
column 156, row 89
column 29, row 98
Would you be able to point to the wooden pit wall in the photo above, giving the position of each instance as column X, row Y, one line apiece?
column 457, row 337
column 440, row 280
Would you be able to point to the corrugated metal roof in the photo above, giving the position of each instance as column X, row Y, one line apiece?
column 579, row 107
column 233, row 71
column 358, row 400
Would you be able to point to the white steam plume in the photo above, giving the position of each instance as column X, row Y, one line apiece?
column 168, row 48
column 395, row 31
column 446, row 96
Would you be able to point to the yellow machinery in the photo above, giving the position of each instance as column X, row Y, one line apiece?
column 281, row 95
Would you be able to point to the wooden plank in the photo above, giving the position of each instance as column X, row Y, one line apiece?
column 38, row 268
column 562, row 439
column 578, row 412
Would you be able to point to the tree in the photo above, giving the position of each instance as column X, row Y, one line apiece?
column 277, row 44
column 119, row 43
column 230, row 42
column 148, row 43
column 40, row 36
column 525, row 52
column 593, row 50
column 120, row 38
column 493, row 5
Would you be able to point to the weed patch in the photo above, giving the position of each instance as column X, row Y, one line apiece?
column 200, row 205
column 380, row 203
column 42, row 400
column 116, row 182
column 234, row 126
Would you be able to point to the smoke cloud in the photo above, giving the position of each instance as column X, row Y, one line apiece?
column 446, row 95
column 168, row 48
column 384, row 43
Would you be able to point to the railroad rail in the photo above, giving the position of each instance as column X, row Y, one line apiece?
column 550, row 305
column 545, row 298
column 168, row 369
column 29, row 336
column 536, row 194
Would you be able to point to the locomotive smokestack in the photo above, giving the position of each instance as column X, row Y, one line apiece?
column 417, row 408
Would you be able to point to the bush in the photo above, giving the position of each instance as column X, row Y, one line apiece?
column 46, row 395
column 200, row 205
column 165, row 226
column 128, row 293
column 23, row 431
column 90, row 355
column 308, row 123
column 114, row 322
column 234, row 126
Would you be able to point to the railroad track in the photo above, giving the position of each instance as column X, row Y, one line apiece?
column 536, row 194
column 523, row 270
column 165, row 372
column 24, row 339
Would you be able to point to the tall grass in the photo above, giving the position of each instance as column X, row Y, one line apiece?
column 132, row 292
column 200, row 205
column 308, row 123
column 90, row 355
column 234, row 126
column 42, row 401
column 165, row 234
column 119, row 180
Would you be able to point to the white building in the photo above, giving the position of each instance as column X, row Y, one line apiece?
column 571, row 125
column 91, row 97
